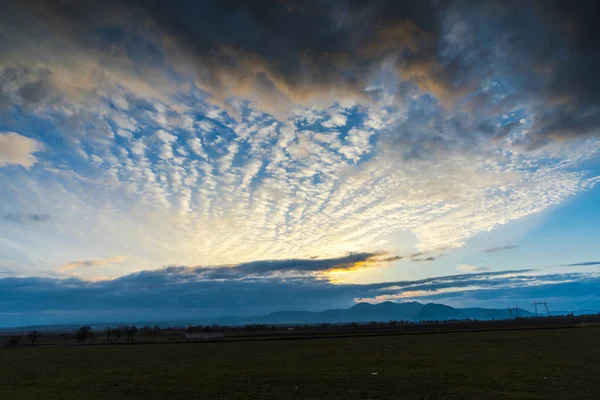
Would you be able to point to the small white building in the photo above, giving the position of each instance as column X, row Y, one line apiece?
column 203, row 335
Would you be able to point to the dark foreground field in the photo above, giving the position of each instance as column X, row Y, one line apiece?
column 530, row 364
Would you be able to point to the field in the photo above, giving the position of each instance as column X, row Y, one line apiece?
column 514, row 364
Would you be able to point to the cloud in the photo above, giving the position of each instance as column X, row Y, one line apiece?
column 177, row 140
column 14, row 217
column 583, row 264
column 16, row 149
column 565, row 292
column 471, row 268
column 89, row 263
column 272, row 59
column 424, row 259
column 500, row 249
column 170, row 293
column 283, row 268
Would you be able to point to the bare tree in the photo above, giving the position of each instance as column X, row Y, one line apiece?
column 130, row 331
column 155, row 331
column 83, row 334
column 146, row 330
column 118, row 332
column 66, row 337
column 33, row 337
column 108, row 333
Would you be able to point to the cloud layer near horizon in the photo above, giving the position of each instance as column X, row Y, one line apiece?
column 203, row 293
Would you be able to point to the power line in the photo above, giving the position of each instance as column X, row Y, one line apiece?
column 588, row 300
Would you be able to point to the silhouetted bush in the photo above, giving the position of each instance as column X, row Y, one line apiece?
column 13, row 341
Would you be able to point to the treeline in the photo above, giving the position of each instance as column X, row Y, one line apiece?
column 32, row 337
column 231, row 328
column 129, row 332
column 86, row 334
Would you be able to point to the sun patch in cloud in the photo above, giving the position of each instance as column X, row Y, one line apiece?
column 73, row 265
column 471, row 268
column 337, row 272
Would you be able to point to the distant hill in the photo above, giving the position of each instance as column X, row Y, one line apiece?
column 362, row 312
column 387, row 311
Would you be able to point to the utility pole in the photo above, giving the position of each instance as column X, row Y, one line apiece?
column 541, row 303
column 514, row 312
column 546, row 305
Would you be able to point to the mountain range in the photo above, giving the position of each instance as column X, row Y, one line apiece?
column 387, row 311
column 362, row 312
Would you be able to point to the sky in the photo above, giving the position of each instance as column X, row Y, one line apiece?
column 175, row 159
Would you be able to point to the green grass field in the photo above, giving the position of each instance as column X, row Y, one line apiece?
column 532, row 364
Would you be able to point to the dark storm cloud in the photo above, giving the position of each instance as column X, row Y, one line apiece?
column 574, row 84
column 500, row 249
column 541, row 54
column 552, row 48
column 292, row 43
